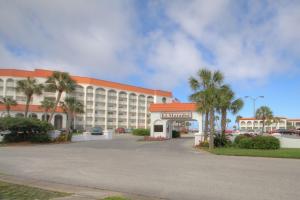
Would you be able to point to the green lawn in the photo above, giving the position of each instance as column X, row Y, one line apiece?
column 11, row 191
column 279, row 153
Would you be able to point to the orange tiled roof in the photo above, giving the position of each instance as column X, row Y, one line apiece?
column 172, row 107
column 46, row 73
column 32, row 108
column 293, row 119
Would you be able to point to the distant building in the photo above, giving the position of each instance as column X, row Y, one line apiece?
column 256, row 124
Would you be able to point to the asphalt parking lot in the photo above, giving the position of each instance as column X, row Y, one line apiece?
column 171, row 169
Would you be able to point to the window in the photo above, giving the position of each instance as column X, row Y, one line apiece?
column 158, row 128
column 164, row 100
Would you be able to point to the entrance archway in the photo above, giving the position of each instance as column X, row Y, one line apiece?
column 58, row 122
column 164, row 115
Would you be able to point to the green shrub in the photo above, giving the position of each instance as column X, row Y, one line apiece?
column 40, row 138
column 141, row 132
column 204, row 144
column 238, row 138
column 22, row 129
column 246, row 143
column 175, row 134
column 266, row 142
column 221, row 140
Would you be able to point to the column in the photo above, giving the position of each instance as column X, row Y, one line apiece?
column 117, row 111
column 137, row 111
column 146, row 99
column 94, row 105
column 84, row 101
column 4, row 87
column 106, row 109
column 128, row 95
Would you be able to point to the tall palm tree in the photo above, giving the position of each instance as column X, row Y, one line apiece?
column 264, row 113
column 71, row 107
column 227, row 102
column 47, row 105
column 206, row 95
column 29, row 87
column 8, row 102
column 199, row 84
column 237, row 120
column 59, row 82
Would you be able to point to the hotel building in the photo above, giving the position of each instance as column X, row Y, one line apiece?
column 108, row 105
column 253, row 124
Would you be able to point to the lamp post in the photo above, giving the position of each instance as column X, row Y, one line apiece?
column 254, row 101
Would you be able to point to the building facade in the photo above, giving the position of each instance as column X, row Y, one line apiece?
column 108, row 105
column 254, row 124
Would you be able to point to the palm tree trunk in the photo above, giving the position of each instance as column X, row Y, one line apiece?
column 212, row 129
column 27, row 105
column 7, row 110
column 56, row 104
column 223, row 120
column 263, row 127
column 206, row 126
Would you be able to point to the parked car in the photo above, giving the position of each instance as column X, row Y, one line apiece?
column 120, row 130
column 3, row 133
column 95, row 131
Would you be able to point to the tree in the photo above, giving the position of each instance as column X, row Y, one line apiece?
column 264, row 113
column 71, row 107
column 237, row 120
column 29, row 87
column 8, row 102
column 206, row 88
column 227, row 102
column 276, row 121
column 199, row 84
column 47, row 105
column 59, row 82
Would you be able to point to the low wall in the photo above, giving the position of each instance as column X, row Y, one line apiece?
column 289, row 142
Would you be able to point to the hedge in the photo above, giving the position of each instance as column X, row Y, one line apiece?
column 25, row 129
column 175, row 134
column 141, row 132
column 258, row 142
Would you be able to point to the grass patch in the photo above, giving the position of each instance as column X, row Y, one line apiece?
column 20, row 192
column 115, row 198
column 278, row 153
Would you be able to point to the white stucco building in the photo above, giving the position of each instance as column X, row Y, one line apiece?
column 256, row 124
column 107, row 104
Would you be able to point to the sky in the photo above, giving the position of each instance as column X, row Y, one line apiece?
column 160, row 44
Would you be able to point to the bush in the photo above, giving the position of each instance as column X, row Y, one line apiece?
column 266, row 142
column 204, row 144
column 238, row 138
column 23, row 129
column 221, row 140
column 141, row 132
column 40, row 138
column 175, row 134
column 246, row 143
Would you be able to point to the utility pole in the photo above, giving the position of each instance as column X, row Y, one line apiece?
column 254, row 101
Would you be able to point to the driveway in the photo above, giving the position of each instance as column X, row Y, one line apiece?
column 169, row 169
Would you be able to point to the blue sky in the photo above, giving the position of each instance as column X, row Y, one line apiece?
column 160, row 44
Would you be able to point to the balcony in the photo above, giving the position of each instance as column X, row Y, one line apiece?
column 89, row 106
column 123, row 102
column 112, row 108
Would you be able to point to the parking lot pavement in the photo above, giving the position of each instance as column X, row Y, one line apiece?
column 170, row 169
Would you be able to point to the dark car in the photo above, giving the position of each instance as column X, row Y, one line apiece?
column 96, row 131
column 120, row 130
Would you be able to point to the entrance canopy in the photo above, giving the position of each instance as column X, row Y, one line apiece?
column 163, row 116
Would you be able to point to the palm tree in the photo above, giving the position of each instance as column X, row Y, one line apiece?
column 59, row 82
column 71, row 107
column 206, row 96
column 29, row 87
column 198, row 85
column 8, row 102
column 264, row 113
column 227, row 102
column 237, row 120
column 47, row 105
column 276, row 121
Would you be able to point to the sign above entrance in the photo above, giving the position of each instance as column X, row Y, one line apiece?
column 176, row 115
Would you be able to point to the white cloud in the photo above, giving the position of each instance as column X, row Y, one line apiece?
column 249, row 41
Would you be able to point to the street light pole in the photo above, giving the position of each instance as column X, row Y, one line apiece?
column 254, row 101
